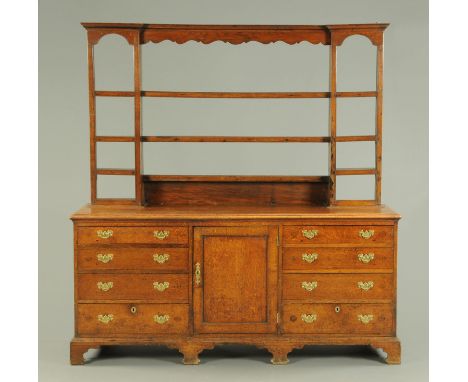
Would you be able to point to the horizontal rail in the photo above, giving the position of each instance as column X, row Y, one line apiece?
column 233, row 178
column 114, row 138
column 115, row 171
column 148, row 138
column 236, row 94
column 347, row 138
column 355, row 171
column 356, row 138
column 113, row 93
column 174, row 94
column 356, row 94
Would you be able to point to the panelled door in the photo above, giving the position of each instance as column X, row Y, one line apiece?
column 235, row 279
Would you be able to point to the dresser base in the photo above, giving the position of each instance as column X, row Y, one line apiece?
column 279, row 347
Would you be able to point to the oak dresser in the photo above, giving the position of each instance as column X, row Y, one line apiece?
column 192, row 262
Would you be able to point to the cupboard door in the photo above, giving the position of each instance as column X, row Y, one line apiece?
column 235, row 279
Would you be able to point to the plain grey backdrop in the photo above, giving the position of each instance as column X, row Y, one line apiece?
column 64, row 155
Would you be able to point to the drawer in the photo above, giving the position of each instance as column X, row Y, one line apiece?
column 353, row 235
column 119, row 257
column 132, row 319
column 374, row 319
column 136, row 235
column 112, row 286
column 337, row 287
column 329, row 258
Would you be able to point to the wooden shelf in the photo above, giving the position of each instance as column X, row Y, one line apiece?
column 114, row 139
column 355, row 171
column 233, row 178
column 212, row 139
column 137, row 34
column 237, row 138
column 115, row 171
column 179, row 94
column 355, row 138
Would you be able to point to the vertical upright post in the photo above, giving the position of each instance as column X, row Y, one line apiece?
column 92, row 121
column 137, row 101
column 378, row 124
column 332, row 124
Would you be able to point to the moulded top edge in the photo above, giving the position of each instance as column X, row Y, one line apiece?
column 140, row 213
column 94, row 25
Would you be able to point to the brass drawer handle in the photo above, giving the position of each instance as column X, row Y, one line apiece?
column 308, row 318
column 365, row 318
column 161, row 258
column 309, row 257
column 161, row 319
column 161, row 287
column 365, row 285
column 197, row 274
column 104, row 234
column 365, row 258
column 105, row 257
column 105, row 318
column 367, row 234
column 309, row 286
column 161, row 235
column 105, row 286
column 309, row 233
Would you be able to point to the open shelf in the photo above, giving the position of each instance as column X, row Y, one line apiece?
column 154, row 188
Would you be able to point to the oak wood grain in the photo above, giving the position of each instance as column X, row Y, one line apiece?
column 133, row 286
column 237, row 292
column 338, row 287
column 254, row 193
column 323, row 214
column 125, row 323
column 196, row 261
column 351, row 235
column 143, row 259
column 346, row 320
column 109, row 234
column 329, row 259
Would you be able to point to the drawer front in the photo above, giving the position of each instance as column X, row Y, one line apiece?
column 329, row 258
column 111, row 286
column 336, row 287
column 135, row 235
column 374, row 319
column 354, row 235
column 114, row 258
column 132, row 319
